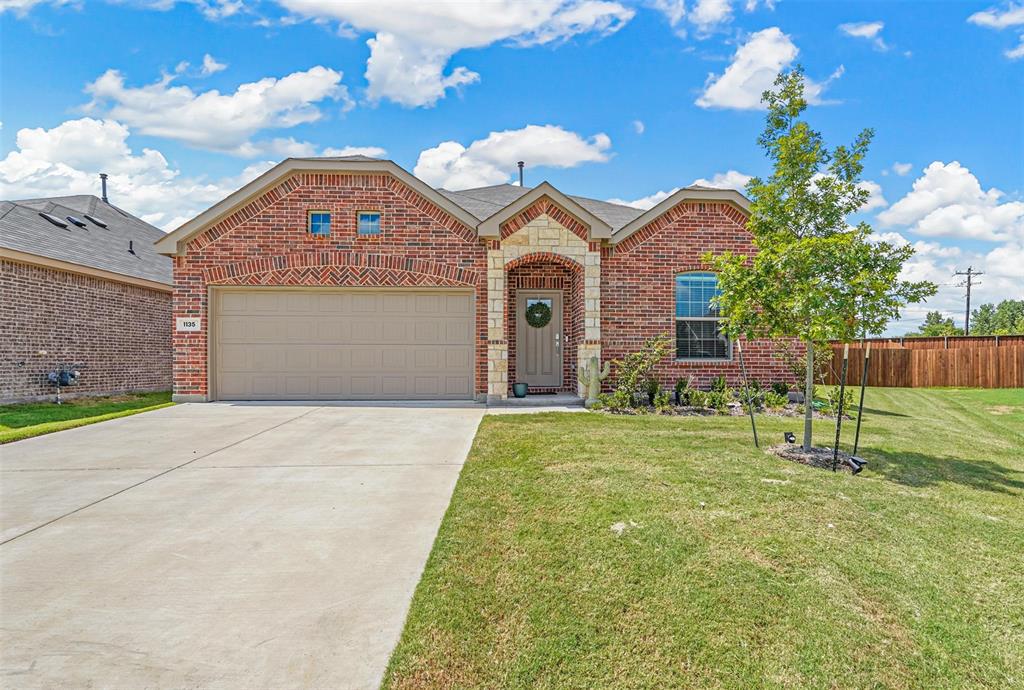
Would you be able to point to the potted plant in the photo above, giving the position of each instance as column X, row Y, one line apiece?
column 520, row 389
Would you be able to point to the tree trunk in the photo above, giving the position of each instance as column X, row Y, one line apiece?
column 809, row 396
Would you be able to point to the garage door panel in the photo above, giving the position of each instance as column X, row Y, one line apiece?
column 344, row 344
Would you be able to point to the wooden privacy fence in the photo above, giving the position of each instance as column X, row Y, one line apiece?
column 968, row 361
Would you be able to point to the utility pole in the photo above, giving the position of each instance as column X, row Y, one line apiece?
column 971, row 274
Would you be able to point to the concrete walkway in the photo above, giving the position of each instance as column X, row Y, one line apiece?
column 221, row 546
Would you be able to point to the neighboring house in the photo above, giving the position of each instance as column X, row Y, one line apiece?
column 81, row 283
column 349, row 278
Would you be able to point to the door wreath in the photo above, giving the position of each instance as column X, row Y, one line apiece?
column 538, row 314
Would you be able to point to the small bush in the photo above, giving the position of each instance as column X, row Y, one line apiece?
column 780, row 388
column 757, row 393
column 718, row 400
column 653, row 389
column 662, row 401
column 832, row 401
column 696, row 398
column 774, row 400
column 683, row 389
column 718, row 384
column 634, row 374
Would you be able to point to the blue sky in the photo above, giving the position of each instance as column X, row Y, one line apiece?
column 182, row 102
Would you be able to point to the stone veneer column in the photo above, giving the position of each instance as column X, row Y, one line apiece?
column 591, row 345
column 497, row 343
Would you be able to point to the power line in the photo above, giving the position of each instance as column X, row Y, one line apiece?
column 971, row 274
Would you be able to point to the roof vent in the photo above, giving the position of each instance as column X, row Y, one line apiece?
column 76, row 221
column 94, row 220
column 55, row 220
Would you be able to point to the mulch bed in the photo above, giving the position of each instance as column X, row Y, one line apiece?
column 815, row 457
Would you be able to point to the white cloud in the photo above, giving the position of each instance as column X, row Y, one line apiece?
column 646, row 202
column 753, row 70
column 992, row 18
column 492, row 160
column 902, row 169
column 212, row 120
column 68, row 158
column 22, row 7
column 370, row 151
column 875, row 197
column 211, row 66
column 870, row 31
column 1016, row 53
column 706, row 16
column 638, row 126
column 947, row 200
column 414, row 42
column 731, row 179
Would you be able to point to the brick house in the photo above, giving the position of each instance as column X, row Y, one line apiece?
column 349, row 278
column 81, row 283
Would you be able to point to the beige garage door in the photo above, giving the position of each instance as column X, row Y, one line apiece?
column 322, row 344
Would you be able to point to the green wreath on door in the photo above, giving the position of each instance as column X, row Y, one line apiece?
column 538, row 314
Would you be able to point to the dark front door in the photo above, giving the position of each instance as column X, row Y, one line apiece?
column 539, row 347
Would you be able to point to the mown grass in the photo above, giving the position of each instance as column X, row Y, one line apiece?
column 26, row 420
column 743, row 570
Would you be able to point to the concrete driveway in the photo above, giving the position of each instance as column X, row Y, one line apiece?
column 220, row 545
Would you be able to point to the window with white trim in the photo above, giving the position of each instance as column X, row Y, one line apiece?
column 697, row 320
column 368, row 223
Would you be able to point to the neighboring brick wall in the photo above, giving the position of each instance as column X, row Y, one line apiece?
column 638, row 290
column 120, row 333
column 267, row 243
column 546, row 276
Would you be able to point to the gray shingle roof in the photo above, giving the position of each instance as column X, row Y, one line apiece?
column 22, row 229
column 484, row 202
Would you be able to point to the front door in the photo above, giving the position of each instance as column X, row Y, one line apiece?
column 539, row 338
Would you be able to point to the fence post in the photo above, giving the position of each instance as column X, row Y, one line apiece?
column 945, row 342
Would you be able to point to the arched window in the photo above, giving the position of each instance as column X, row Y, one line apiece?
column 697, row 320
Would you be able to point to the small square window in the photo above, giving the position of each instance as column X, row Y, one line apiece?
column 369, row 223
column 319, row 223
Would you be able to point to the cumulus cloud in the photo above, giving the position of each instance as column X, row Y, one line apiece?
column 211, row 66
column 492, row 160
column 948, row 200
column 993, row 18
column 22, row 7
column 869, row 31
column 875, row 197
column 706, row 16
column 212, row 120
column 68, row 158
column 730, row 179
column 645, row 202
column 902, row 169
column 414, row 42
column 753, row 70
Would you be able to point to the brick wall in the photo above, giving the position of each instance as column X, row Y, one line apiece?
column 638, row 290
column 120, row 333
column 545, row 276
column 266, row 243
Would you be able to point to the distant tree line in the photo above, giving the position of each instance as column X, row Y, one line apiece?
column 1005, row 318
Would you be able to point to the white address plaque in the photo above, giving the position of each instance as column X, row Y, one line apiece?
column 189, row 324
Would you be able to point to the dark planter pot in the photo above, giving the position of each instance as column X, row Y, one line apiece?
column 520, row 389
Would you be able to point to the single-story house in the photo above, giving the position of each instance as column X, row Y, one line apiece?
column 81, row 284
column 349, row 278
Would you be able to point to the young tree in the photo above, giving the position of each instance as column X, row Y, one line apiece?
column 935, row 326
column 814, row 277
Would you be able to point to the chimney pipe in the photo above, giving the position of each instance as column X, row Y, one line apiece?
column 520, row 164
column 103, row 187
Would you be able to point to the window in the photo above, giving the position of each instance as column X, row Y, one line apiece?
column 697, row 320
column 369, row 223
column 319, row 223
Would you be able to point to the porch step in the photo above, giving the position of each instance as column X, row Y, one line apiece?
column 556, row 400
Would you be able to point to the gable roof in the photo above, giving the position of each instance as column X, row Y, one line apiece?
column 480, row 208
column 491, row 226
column 24, row 233
column 174, row 243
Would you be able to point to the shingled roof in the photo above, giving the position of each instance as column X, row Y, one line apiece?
column 25, row 231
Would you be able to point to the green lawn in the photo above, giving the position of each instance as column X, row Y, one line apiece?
column 744, row 570
column 34, row 419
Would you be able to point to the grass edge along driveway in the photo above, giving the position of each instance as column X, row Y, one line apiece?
column 734, row 568
column 26, row 420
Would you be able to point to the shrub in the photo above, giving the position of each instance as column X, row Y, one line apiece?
column 832, row 401
column 663, row 401
column 683, row 390
column 616, row 401
column 653, row 389
column 718, row 383
column 773, row 400
column 696, row 398
column 780, row 388
column 635, row 372
column 718, row 400
column 757, row 393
